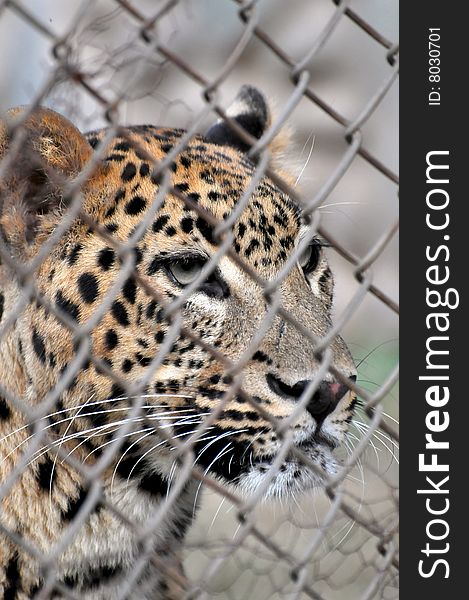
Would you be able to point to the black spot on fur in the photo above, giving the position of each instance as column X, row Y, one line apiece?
column 67, row 306
column 236, row 415
column 2, row 304
column 207, row 176
column 46, row 474
column 187, row 224
column 127, row 365
column 4, row 410
column 160, row 223
column 74, row 252
column 154, row 484
column 88, row 287
column 194, row 196
column 111, row 339
column 112, row 209
column 138, row 255
column 123, row 147
column 118, row 197
column 117, row 391
column 93, row 578
column 115, row 158
column 144, row 361
column 205, row 229
column 12, row 579
column 75, row 504
column 120, row 314
column 38, row 345
column 144, row 169
column 129, row 172
column 207, row 456
column 150, row 311
column 261, row 357
column 253, row 244
column 136, row 205
column 106, row 258
column 130, row 290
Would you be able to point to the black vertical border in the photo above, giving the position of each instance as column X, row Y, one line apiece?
column 425, row 128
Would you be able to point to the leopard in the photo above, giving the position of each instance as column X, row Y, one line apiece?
column 101, row 235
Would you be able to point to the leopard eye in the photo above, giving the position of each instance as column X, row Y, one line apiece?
column 309, row 258
column 186, row 270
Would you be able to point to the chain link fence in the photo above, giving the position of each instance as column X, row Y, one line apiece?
column 332, row 74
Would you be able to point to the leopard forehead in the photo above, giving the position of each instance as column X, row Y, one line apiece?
column 215, row 178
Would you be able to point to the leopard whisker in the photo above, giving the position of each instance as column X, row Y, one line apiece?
column 362, row 432
column 353, row 521
column 222, row 452
column 373, row 350
column 217, row 511
column 217, row 438
column 251, row 442
column 163, row 416
column 388, row 416
column 359, row 464
column 105, row 401
column 152, row 430
column 351, row 435
column 172, row 472
column 154, row 448
column 129, row 434
column 95, row 431
column 381, row 437
column 229, row 464
column 57, row 454
column 61, row 421
column 148, row 431
column 300, row 175
column 339, row 204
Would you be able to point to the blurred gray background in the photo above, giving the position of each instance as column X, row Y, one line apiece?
column 346, row 72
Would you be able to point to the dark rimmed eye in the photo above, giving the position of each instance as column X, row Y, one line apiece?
column 186, row 270
column 309, row 258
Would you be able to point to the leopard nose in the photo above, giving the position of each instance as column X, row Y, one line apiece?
column 323, row 401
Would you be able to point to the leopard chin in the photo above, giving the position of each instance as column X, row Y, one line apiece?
column 271, row 481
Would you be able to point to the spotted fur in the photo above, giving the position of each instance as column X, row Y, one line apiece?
column 37, row 350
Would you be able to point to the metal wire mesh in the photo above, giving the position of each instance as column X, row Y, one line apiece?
column 341, row 541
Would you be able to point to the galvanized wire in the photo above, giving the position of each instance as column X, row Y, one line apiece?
column 304, row 566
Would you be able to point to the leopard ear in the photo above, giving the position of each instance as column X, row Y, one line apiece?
column 250, row 110
column 50, row 152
